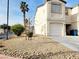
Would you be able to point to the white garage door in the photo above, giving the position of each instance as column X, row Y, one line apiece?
column 56, row 29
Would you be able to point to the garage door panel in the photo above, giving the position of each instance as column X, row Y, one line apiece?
column 56, row 29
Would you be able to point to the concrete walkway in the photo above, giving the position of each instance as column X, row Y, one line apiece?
column 7, row 57
column 70, row 42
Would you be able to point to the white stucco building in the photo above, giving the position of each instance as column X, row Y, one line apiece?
column 1, row 31
column 54, row 19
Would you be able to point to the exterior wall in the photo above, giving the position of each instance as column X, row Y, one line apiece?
column 78, row 27
column 68, row 19
column 68, row 12
column 78, row 23
column 75, row 10
column 1, row 31
column 74, row 25
column 56, row 18
column 44, row 17
column 74, row 21
column 75, row 18
column 41, row 20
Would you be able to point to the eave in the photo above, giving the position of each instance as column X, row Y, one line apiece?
column 63, row 1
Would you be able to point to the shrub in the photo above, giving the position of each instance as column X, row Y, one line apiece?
column 17, row 29
column 30, row 34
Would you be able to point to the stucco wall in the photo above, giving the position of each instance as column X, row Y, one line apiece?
column 75, row 26
column 41, row 20
column 75, row 10
column 68, row 19
column 44, row 17
column 78, row 27
column 1, row 31
column 75, row 18
column 56, row 16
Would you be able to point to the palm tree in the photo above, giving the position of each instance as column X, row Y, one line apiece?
column 24, row 8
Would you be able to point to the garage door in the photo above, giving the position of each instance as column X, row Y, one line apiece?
column 56, row 29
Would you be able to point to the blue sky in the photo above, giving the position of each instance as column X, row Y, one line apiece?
column 16, row 14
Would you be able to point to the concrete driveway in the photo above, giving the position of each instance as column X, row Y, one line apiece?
column 7, row 57
column 70, row 42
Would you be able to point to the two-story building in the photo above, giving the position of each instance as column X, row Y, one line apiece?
column 53, row 18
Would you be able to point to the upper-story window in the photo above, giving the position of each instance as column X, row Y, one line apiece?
column 56, row 8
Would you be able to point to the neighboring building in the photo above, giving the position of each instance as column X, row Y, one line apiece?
column 1, row 31
column 54, row 19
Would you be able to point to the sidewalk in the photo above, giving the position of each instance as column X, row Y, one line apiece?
column 70, row 42
column 7, row 57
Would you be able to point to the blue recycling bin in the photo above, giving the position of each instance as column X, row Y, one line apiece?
column 74, row 32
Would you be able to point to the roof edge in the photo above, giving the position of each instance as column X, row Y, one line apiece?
column 63, row 1
column 69, row 7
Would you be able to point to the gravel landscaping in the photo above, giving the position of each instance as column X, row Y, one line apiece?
column 37, row 48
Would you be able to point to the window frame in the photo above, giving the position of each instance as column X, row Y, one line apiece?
column 58, row 4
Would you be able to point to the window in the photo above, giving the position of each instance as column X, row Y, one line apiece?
column 56, row 8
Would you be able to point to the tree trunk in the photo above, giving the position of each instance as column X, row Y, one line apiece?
column 25, row 26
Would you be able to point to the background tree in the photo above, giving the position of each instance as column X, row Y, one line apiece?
column 24, row 8
column 4, row 27
column 0, row 26
column 18, row 29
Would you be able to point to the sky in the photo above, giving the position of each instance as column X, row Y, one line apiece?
column 16, row 16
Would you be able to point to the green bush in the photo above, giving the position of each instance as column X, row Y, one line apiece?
column 30, row 34
column 17, row 29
